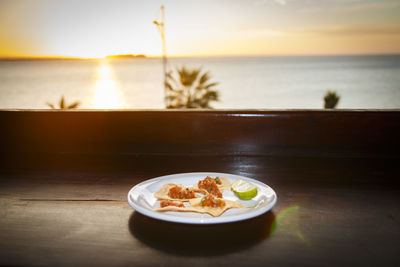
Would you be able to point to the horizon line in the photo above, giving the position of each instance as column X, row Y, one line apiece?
column 143, row 56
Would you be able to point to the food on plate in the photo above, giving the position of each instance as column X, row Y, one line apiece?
column 210, row 185
column 212, row 205
column 222, row 183
column 204, row 197
column 174, row 206
column 172, row 191
column 244, row 190
column 211, row 201
column 178, row 192
column 166, row 203
column 207, row 204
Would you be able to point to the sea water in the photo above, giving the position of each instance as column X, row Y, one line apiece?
column 292, row 82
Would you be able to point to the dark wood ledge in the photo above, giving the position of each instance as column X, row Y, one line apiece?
column 233, row 132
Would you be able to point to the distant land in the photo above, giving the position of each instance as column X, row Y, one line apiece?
column 127, row 56
column 45, row 58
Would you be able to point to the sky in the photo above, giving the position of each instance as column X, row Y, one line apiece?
column 71, row 28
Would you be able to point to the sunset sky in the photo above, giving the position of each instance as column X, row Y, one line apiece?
column 77, row 28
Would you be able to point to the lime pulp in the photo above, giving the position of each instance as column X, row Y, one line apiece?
column 244, row 190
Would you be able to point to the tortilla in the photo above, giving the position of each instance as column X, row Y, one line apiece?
column 175, row 208
column 217, row 211
column 195, row 203
column 196, row 207
column 225, row 185
column 162, row 193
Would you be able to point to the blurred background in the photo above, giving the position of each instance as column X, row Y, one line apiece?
column 224, row 54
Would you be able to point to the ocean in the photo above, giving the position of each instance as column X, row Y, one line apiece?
column 292, row 82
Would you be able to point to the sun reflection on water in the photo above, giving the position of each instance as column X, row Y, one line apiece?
column 106, row 94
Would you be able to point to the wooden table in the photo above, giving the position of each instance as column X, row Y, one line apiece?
column 67, row 205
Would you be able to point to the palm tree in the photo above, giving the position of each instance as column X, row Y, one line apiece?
column 192, row 90
column 331, row 99
column 63, row 105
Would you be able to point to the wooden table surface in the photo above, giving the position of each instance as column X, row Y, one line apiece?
column 64, row 179
column 330, row 211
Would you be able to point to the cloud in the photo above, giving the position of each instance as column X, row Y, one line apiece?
column 263, row 33
column 348, row 6
column 370, row 5
column 264, row 2
column 281, row 2
column 354, row 30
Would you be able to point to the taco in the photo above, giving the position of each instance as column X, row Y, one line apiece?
column 208, row 204
column 171, row 205
column 172, row 191
column 213, row 186
column 213, row 205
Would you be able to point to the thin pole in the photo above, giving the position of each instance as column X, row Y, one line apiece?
column 161, row 28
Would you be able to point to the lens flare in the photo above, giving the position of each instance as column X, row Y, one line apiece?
column 289, row 217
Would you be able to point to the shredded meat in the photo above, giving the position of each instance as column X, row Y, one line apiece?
column 178, row 192
column 210, row 186
column 212, row 201
column 166, row 203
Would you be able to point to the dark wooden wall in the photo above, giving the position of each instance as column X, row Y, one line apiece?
column 244, row 132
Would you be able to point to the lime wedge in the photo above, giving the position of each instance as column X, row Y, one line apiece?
column 244, row 190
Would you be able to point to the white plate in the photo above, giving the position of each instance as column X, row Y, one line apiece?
column 141, row 198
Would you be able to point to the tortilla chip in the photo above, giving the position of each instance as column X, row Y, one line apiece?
column 225, row 184
column 175, row 208
column 196, row 207
column 162, row 193
column 196, row 203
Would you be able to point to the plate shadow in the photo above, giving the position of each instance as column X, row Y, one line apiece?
column 192, row 240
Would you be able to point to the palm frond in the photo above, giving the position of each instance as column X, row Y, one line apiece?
column 211, row 85
column 204, row 78
column 50, row 105
column 73, row 105
column 191, row 89
column 169, row 86
column 211, row 96
column 62, row 104
column 331, row 99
